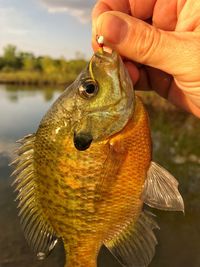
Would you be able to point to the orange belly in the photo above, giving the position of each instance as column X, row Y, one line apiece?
column 124, row 200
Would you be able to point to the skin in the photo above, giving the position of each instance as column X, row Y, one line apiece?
column 163, row 36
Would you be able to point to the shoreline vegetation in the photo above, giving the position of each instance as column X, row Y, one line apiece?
column 23, row 68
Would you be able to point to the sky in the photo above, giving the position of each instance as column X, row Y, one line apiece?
column 47, row 27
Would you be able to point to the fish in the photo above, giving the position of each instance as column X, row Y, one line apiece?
column 87, row 173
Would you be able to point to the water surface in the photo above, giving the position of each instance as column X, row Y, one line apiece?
column 176, row 146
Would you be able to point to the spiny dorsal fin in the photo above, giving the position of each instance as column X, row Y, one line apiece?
column 135, row 245
column 161, row 190
column 37, row 231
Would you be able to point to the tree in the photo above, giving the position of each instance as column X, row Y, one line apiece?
column 28, row 61
column 48, row 65
column 10, row 57
column 63, row 65
column 2, row 63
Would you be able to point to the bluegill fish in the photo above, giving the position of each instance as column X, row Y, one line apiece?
column 87, row 171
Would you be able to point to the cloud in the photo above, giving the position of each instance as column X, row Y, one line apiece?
column 13, row 27
column 78, row 8
column 11, row 23
column 18, row 31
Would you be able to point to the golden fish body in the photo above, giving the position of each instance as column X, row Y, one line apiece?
column 93, row 194
column 89, row 171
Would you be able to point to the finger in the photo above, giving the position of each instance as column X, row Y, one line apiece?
column 145, row 44
column 110, row 5
column 165, row 14
column 167, row 90
column 154, row 79
column 133, row 71
column 191, row 89
column 95, row 46
column 143, row 81
column 162, row 83
column 159, row 81
column 177, row 96
column 188, row 12
column 104, row 6
column 142, row 9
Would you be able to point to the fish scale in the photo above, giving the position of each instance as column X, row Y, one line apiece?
column 86, row 172
column 79, row 183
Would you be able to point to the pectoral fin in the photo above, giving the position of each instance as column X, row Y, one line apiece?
column 135, row 245
column 161, row 190
column 111, row 166
column 38, row 232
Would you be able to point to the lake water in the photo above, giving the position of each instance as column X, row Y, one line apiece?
column 176, row 146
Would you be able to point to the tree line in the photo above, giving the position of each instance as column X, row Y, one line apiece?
column 15, row 64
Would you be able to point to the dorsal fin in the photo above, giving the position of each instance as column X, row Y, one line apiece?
column 135, row 245
column 161, row 190
column 38, row 232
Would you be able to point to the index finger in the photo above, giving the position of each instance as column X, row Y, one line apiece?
column 109, row 5
column 141, row 9
column 103, row 6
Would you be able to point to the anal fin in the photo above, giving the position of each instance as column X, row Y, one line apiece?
column 161, row 190
column 135, row 245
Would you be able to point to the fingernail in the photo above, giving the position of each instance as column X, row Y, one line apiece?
column 113, row 28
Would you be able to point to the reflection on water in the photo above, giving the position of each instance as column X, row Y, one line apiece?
column 22, row 109
column 15, row 92
column 176, row 146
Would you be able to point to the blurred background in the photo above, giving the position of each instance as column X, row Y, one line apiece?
column 44, row 44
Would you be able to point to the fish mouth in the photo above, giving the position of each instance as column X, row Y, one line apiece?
column 82, row 141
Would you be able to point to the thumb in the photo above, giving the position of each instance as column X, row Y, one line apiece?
column 171, row 52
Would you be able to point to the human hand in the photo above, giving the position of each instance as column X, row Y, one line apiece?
column 168, row 48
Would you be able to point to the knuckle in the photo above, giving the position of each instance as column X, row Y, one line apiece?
column 146, row 43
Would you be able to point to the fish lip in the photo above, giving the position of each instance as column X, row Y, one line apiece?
column 82, row 141
column 107, row 56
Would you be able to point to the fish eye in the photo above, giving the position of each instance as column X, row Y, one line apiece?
column 88, row 89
